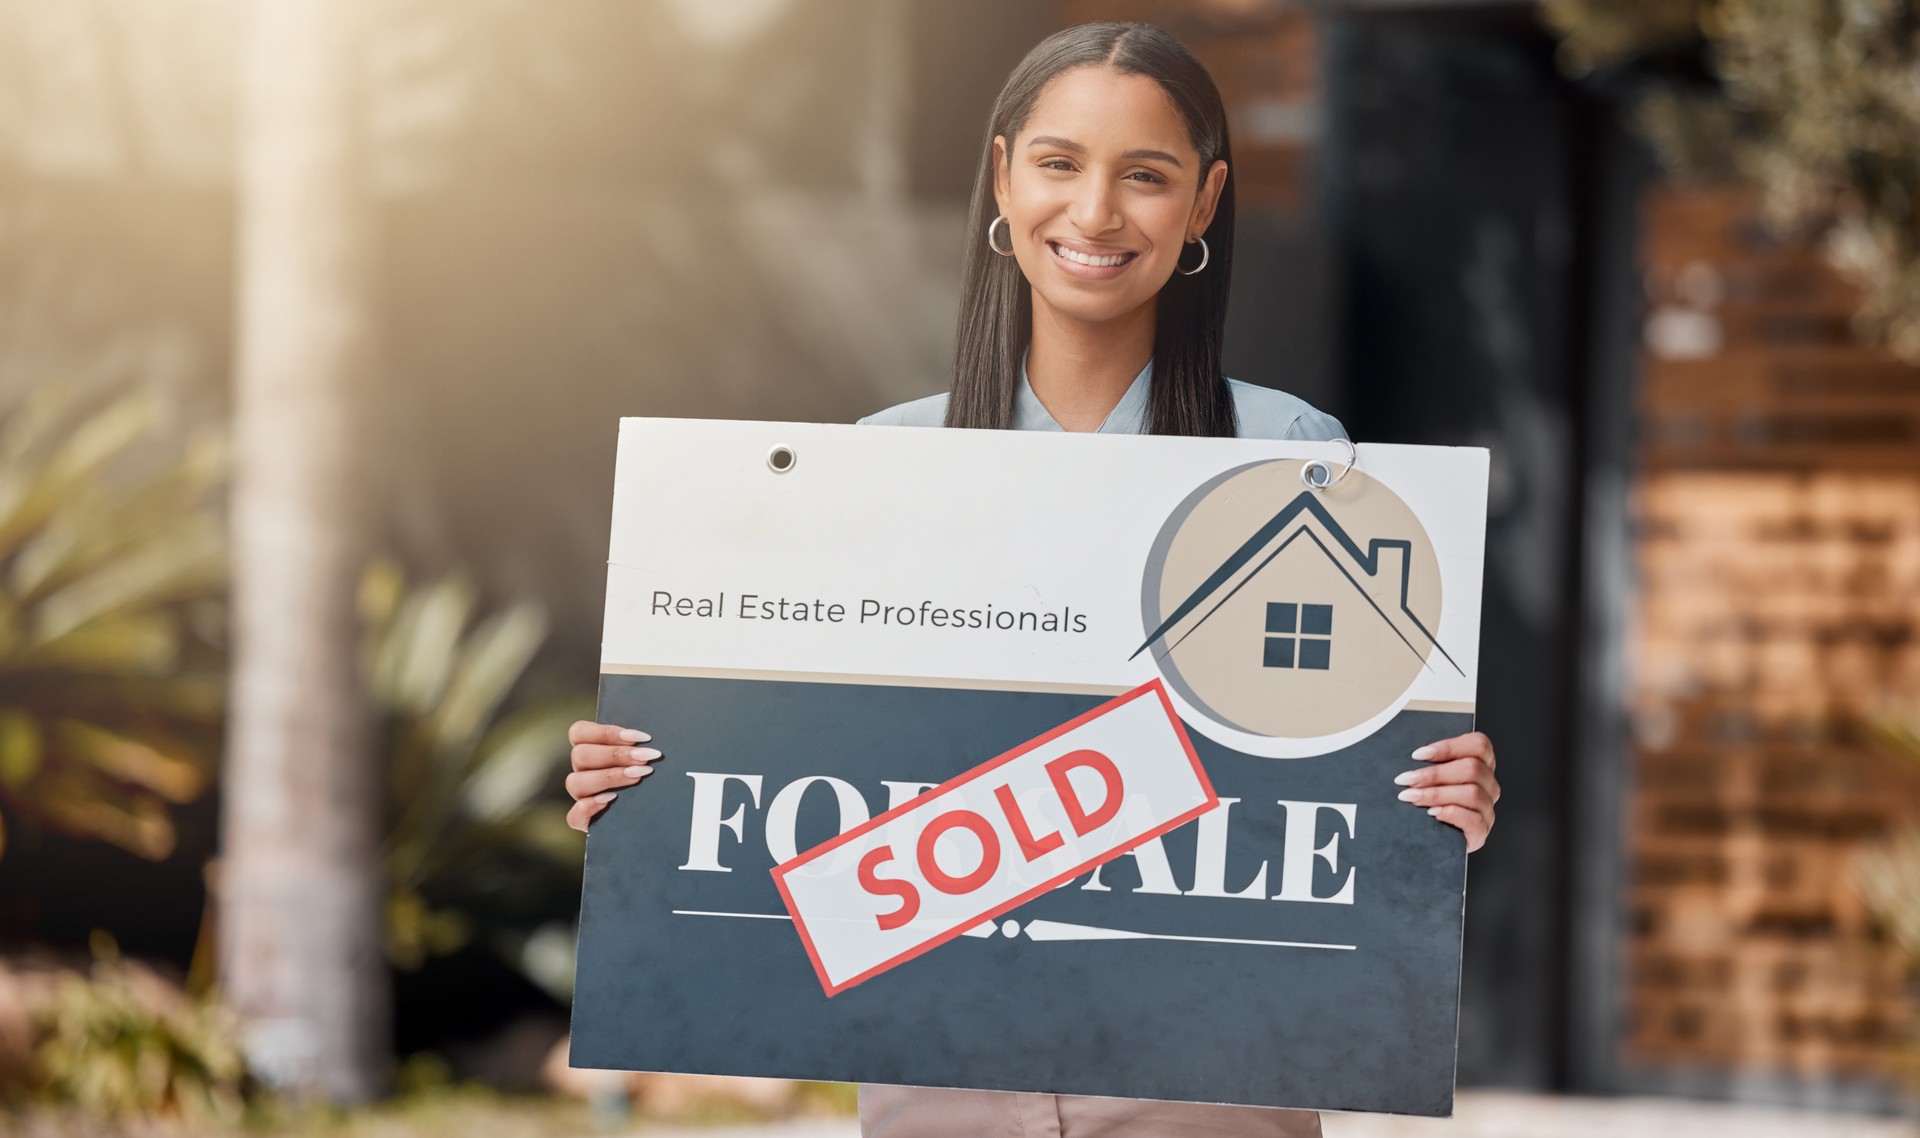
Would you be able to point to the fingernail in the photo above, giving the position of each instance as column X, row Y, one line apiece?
column 1433, row 812
column 606, row 796
column 636, row 772
column 644, row 754
column 630, row 735
column 1406, row 778
column 1408, row 795
column 1424, row 753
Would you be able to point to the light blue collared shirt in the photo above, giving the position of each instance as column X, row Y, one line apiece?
column 1262, row 413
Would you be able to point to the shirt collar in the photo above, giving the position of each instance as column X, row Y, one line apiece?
column 1128, row 417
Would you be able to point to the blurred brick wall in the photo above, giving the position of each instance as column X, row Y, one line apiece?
column 1778, row 548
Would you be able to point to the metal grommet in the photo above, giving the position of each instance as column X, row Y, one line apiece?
column 781, row 459
column 1318, row 475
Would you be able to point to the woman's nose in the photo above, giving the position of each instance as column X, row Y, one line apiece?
column 1093, row 210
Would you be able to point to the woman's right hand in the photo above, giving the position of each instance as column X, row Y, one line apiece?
column 605, row 758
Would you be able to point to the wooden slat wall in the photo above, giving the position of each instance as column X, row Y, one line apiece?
column 1779, row 594
column 1751, row 363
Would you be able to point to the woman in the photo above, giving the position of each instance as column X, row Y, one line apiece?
column 1095, row 299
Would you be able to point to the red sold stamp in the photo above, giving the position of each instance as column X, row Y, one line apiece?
column 988, row 840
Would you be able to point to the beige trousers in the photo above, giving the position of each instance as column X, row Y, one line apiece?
column 920, row 1112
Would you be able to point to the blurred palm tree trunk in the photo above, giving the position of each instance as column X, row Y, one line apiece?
column 300, row 899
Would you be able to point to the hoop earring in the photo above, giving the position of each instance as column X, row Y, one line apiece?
column 998, row 218
column 1204, row 256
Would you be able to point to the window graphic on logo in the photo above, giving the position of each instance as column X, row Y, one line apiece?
column 1238, row 594
column 1298, row 636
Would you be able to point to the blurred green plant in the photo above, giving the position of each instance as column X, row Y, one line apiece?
column 472, row 849
column 111, row 575
column 112, row 681
column 121, row 1044
column 1888, row 872
column 1889, row 877
column 1816, row 104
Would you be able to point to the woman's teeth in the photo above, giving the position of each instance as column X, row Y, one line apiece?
column 1080, row 258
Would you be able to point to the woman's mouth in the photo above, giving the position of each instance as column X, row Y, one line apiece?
column 1097, row 266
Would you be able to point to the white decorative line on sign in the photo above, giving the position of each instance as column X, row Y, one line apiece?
column 1060, row 930
column 1055, row 930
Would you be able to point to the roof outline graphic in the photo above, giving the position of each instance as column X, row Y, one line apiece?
column 1369, row 561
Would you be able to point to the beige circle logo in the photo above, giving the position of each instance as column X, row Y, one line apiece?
column 1283, row 612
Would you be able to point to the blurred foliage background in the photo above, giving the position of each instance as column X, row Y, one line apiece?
column 112, row 682
column 1887, row 873
column 476, row 846
column 583, row 192
column 1812, row 101
column 112, row 568
column 121, row 1044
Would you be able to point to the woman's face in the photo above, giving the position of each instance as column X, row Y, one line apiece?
column 1101, row 189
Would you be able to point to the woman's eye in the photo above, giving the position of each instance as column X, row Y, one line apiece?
column 1147, row 176
column 1056, row 164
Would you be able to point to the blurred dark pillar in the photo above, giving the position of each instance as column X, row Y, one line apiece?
column 1461, row 186
column 960, row 55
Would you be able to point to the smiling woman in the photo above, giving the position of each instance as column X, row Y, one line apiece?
column 1106, row 156
column 1083, row 309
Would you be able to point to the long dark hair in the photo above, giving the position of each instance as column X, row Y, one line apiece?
column 1189, row 395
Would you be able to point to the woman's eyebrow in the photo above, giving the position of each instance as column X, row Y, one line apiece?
column 1055, row 142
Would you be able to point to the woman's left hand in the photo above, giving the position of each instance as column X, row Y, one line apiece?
column 1457, row 784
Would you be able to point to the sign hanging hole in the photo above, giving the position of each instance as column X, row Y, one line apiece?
column 781, row 459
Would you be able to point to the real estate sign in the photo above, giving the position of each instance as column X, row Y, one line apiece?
column 1041, row 762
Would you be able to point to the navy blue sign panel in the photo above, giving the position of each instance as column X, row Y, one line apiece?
column 1298, row 946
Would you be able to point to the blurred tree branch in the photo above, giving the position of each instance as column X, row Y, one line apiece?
column 1815, row 103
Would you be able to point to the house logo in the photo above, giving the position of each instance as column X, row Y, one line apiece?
column 1281, row 612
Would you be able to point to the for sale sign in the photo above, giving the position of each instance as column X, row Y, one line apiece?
column 999, row 835
column 1037, row 762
